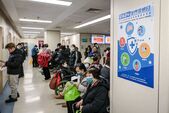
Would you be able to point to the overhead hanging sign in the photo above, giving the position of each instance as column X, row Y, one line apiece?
column 136, row 46
column 98, row 39
column 107, row 39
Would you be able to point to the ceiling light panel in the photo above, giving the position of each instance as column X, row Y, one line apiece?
column 93, row 21
column 33, row 20
column 35, row 28
column 31, row 32
column 56, row 2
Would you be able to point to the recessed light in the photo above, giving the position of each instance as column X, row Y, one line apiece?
column 93, row 21
column 33, row 20
column 57, row 2
column 31, row 32
column 35, row 28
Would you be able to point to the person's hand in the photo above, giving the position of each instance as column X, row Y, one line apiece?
column 81, row 107
column 78, row 104
column 3, row 66
column 2, row 61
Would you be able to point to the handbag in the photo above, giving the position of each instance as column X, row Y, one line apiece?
column 70, row 92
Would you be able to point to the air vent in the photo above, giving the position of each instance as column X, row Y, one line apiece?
column 94, row 10
column 58, row 27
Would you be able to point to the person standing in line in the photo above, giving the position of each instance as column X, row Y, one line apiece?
column 35, row 52
column 89, row 50
column 13, row 70
column 73, row 56
column 23, row 53
column 48, row 57
column 78, row 55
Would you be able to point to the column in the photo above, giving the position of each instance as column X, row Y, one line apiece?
column 52, row 38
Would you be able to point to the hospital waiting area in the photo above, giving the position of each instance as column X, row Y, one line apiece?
column 84, row 56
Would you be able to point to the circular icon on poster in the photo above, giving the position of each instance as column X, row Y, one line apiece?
column 141, row 31
column 136, row 65
column 129, row 28
column 122, row 42
column 125, row 59
column 144, row 50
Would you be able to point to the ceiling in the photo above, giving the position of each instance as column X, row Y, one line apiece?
column 64, row 18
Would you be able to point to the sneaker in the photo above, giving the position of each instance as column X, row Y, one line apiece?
column 11, row 100
column 18, row 95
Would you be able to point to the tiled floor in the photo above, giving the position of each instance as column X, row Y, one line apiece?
column 36, row 97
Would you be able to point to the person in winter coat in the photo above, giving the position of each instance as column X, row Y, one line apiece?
column 35, row 52
column 13, row 70
column 96, row 98
column 105, row 72
column 73, row 57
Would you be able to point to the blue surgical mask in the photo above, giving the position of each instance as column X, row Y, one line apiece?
column 89, row 80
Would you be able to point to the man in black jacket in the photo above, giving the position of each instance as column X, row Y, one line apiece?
column 13, row 70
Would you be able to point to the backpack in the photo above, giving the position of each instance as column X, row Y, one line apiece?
column 56, row 80
column 43, row 59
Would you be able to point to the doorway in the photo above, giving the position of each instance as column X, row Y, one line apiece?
column 1, row 47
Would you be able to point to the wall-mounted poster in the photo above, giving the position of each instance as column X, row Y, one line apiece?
column 40, row 43
column 9, row 38
column 68, row 42
column 136, row 46
column 84, row 39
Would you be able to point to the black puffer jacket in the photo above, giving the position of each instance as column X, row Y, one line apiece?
column 14, row 62
column 96, row 99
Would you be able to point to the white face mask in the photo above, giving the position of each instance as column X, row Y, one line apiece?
column 65, row 65
column 72, row 49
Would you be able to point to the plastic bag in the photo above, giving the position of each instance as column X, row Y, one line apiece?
column 78, row 111
column 70, row 92
column 88, row 60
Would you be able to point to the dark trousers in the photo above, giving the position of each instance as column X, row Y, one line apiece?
column 35, row 62
column 21, row 72
column 46, row 72
column 71, row 104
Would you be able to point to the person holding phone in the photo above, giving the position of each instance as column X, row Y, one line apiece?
column 13, row 65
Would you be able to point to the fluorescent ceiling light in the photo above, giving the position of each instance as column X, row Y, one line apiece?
column 33, row 20
column 32, row 28
column 94, row 21
column 57, row 2
column 30, row 32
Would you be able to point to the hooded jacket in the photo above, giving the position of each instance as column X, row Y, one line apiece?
column 96, row 99
column 14, row 62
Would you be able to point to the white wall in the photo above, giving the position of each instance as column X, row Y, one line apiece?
column 5, row 35
column 52, row 38
column 164, row 59
column 127, row 96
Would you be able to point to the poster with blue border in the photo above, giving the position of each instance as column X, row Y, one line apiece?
column 136, row 46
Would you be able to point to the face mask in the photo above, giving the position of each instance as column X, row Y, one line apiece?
column 89, row 79
column 72, row 49
column 65, row 65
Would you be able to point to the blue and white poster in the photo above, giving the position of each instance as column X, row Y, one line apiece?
column 136, row 46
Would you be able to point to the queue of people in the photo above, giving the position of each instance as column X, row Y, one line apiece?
column 87, row 86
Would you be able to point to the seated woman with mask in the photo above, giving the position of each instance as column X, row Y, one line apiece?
column 95, row 100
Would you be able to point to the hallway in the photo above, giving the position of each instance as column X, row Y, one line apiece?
column 35, row 95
